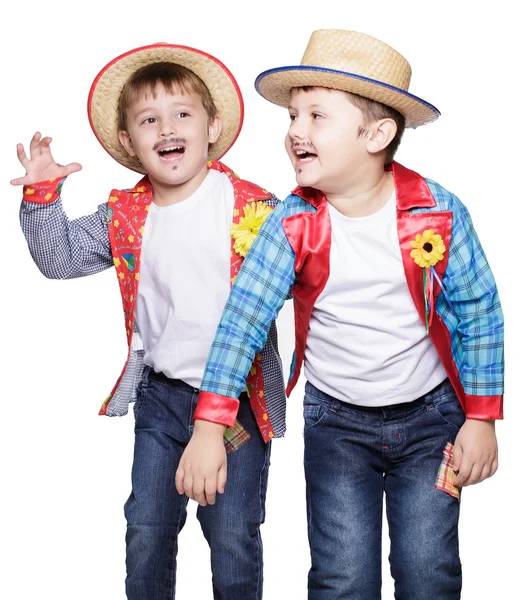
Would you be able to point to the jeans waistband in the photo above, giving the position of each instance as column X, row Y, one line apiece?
column 162, row 378
column 379, row 410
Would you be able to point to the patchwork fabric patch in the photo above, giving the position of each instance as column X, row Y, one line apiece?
column 235, row 436
column 446, row 475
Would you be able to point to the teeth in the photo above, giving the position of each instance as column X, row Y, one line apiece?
column 170, row 149
column 300, row 152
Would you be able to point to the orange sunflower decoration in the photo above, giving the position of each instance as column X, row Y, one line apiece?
column 428, row 250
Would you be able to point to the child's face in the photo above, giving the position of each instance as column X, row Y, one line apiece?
column 322, row 141
column 170, row 135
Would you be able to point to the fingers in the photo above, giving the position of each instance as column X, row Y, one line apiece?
column 210, row 489
column 463, row 474
column 179, row 478
column 457, row 456
column 19, row 181
column 472, row 472
column 20, row 153
column 203, row 491
column 71, row 168
column 222, row 478
column 198, row 491
column 34, row 145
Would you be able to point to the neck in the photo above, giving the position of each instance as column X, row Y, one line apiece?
column 364, row 194
column 167, row 194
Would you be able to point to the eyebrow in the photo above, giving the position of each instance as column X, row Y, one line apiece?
column 312, row 107
column 175, row 104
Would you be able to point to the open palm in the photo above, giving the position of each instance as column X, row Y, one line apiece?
column 41, row 166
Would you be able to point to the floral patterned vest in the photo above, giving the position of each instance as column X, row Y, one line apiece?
column 126, row 216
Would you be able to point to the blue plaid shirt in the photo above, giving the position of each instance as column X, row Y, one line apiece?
column 470, row 307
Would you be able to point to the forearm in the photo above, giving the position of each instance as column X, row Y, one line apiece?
column 63, row 248
column 257, row 296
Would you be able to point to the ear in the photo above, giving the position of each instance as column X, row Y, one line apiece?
column 126, row 142
column 382, row 133
column 214, row 129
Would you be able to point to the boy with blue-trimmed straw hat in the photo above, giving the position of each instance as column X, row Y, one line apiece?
column 177, row 240
column 398, row 323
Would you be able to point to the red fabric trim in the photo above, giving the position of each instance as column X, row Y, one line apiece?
column 484, row 408
column 411, row 190
column 216, row 409
column 408, row 226
column 43, row 192
column 309, row 235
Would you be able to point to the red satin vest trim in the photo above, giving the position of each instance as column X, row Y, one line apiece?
column 216, row 408
column 310, row 237
column 480, row 407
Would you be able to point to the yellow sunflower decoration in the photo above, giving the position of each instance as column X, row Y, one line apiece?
column 245, row 231
column 428, row 250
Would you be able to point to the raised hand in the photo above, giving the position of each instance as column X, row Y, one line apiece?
column 41, row 166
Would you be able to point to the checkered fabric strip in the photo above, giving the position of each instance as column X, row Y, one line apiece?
column 446, row 475
column 259, row 292
column 63, row 248
column 477, row 327
column 235, row 436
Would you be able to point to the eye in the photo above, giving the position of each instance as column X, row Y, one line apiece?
column 183, row 115
column 149, row 120
column 292, row 117
column 317, row 116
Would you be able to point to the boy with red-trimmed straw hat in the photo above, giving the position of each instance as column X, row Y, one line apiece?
column 398, row 323
column 163, row 110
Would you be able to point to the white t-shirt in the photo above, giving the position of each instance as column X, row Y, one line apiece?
column 185, row 278
column 366, row 342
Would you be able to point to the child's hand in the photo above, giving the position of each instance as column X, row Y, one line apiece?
column 203, row 466
column 475, row 456
column 41, row 166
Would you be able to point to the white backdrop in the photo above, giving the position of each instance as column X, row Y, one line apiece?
column 65, row 472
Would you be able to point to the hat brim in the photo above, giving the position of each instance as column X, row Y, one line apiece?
column 107, row 86
column 275, row 85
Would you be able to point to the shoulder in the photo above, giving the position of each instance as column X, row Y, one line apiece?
column 445, row 200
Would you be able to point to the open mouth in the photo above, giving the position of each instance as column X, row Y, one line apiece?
column 302, row 156
column 171, row 152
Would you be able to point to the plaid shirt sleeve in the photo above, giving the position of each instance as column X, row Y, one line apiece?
column 258, row 294
column 479, row 349
column 63, row 248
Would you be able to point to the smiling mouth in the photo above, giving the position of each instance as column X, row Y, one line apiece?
column 172, row 152
column 302, row 156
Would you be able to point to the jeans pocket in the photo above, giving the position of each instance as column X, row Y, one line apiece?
column 448, row 408
column 313, row 412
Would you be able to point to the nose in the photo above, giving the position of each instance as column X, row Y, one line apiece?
column 167, row 128
column 297, row 130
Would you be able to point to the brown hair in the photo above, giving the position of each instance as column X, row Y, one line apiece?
column 375, row 111
column 172, row 77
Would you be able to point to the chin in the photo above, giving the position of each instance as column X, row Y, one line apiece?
column 304, row 180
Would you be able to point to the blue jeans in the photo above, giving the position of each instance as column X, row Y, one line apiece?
column 354, row 455
column 156, row 512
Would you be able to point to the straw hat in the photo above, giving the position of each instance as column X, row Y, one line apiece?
column 352, row 62
column 106, row 89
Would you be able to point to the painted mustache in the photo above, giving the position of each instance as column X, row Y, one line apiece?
column 169, row 142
